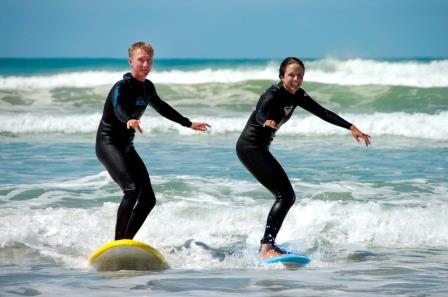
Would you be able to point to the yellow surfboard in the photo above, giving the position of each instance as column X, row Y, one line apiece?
column 126, row 254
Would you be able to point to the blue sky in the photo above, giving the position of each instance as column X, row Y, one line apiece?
column 225, row 28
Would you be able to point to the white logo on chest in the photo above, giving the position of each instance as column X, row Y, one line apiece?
column 287, row 110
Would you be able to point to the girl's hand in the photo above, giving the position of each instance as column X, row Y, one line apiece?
column 271, row 124
column 199, row 126
column 357, row 134
column 135, row 124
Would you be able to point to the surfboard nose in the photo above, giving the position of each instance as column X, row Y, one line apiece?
column 126, row 254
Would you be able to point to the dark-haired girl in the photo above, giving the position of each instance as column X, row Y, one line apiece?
column 273, row 109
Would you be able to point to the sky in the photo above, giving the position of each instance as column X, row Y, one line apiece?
column 225, row 28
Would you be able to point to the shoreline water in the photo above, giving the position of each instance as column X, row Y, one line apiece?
column 372, row 220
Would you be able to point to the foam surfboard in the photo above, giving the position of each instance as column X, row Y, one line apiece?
column 126, row 254
column 287, row 259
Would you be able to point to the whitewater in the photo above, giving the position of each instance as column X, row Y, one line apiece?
column 372, row 220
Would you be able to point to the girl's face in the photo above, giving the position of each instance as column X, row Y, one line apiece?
column 293, row 78
column 141, row 63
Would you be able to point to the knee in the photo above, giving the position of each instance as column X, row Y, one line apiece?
column 146, row 201
column 131, row 190
column 149, row 202
column 286, row 196
column 291, row 198
column 143, row 208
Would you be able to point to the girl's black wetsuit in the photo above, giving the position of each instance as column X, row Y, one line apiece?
column 127, row 100
column 253, row 148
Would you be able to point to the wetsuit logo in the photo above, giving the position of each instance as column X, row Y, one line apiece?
column 140, row 101
column 288, row 110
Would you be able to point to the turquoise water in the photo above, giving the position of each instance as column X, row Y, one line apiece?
column 373, row 220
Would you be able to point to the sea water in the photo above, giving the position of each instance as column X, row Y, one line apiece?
column 373, row 221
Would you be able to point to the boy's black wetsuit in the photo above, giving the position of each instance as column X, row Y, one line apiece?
column 127, row 100
column 253, row 148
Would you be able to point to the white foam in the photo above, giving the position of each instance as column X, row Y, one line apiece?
column 365, row 72
column 331, row 71
column 368, row 224
column 72, row 79
column 62, row 233
column 30, row 123
column 230, row 225
column 414, row 125
column 55, row 193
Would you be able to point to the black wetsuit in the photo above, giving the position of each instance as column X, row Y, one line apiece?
column 127, row 100
column 253, row 148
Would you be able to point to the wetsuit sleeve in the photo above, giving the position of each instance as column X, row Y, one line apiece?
column 315, row 108
column 118, row 103
column 263, row 108
column 165, row 110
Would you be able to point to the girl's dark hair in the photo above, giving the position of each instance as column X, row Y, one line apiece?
column 286, row 62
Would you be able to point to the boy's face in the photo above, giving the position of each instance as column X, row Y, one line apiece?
column 141, row 63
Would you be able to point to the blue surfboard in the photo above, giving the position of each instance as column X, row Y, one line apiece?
column 295, row 259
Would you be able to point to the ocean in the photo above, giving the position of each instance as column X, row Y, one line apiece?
column 373, row 221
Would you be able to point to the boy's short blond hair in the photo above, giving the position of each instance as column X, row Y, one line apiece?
column 140, row 45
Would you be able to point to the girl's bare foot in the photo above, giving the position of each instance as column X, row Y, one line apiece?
column 270, row 251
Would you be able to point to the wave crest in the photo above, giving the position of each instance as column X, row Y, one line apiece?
column 331, row 71
column 413, row 125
